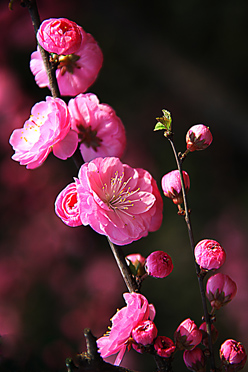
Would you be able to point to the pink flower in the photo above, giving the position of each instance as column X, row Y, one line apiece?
column 59, row 35
column 47, row 129
column 75, row 72
column 220, row 290
column 159, row 264
column 100, row 130
column 123, row 322
column 209, row 254
column 195, row 360
column 187, row 335
column 164, row 346
column 233, row 355
column 136, row 262
column 66, row 206
column 198, row 137
column 214, row 334
column 118, row 201
column 172, row 187
column 145, row 332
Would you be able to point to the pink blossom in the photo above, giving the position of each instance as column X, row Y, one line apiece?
column 172, row 187
column 214, row 334
column 209, row 254
column 59, row 35
column 233, row 355
column 118, row 201
column 123, row 323
column 195, row 360
column 159, row 264
column 47, row 129
column 75, row 72
column 164, row 346
column 145, row 332
column 100, row 130
column 220, row 290
column 136, row 262
column 198, row 137
column 66, row 206
column 187, row 335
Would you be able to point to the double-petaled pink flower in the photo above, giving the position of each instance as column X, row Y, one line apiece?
column 116, row 200
column 100, row 130
column 48, row 129
column 76, row 70
column 124, row 322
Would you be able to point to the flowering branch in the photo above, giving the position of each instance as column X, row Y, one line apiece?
column 200, row 275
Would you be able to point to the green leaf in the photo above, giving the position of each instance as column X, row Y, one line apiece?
column 159, row 126
column 164, row 123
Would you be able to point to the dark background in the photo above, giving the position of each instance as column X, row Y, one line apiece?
column 187, row 57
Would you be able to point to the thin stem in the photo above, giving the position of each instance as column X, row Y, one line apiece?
column 200, row 277
column 129, row 280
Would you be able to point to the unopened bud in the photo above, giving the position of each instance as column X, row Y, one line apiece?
column 164, row 346
column 198, row 137
column 136, row 264
column 233, row 355
column 172, row 186
column 209, row 254
column 145, row 332
column 187, row 335
column 214, row 334
column 220, row 290
column 195, row 360
column 159, row 264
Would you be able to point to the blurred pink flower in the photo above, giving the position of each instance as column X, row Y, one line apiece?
column 159, row 264
column 118, row 201
column 233, row 355
column 100, row 130
column 172, row 187
column 198, row 137
column 164, row 346
column 187, row 335
column 195, row 360
column 123, row 322
column 66, row 206
column 209, row 254
column 47, row 129
column 75, row 72
column 220, row 290
column 59, row 35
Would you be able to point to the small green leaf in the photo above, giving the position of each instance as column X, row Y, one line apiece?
column 164, row 123
column 159, row 126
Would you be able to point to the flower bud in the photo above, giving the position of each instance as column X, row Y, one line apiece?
column 159, row 264
column 187, row 335
column 209, row 254
column 67, row 206
column 60, row 36
column 198, row 137
column 145, row 332
column 232, row 355
column 214, row 334
column 136, row 263
column 220, row 290
column 172, row 187
column 195, row 360
column 164, row 346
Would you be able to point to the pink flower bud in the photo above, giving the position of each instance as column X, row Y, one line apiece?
column 198, row 137
column 60, row 36
column 187, row 335
column 145, row 332
column 172, row 187
column 195, row 360
column 164, row 346
column 233, row 355
column 209, row 254
column 159, row 264
column 220, row 290
column 136, row 262
column 214, row 334
column 67, row 207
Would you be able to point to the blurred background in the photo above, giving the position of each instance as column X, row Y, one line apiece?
column 189, row 57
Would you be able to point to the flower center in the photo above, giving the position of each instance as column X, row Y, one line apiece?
column 68, row 63
column 88, row 137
